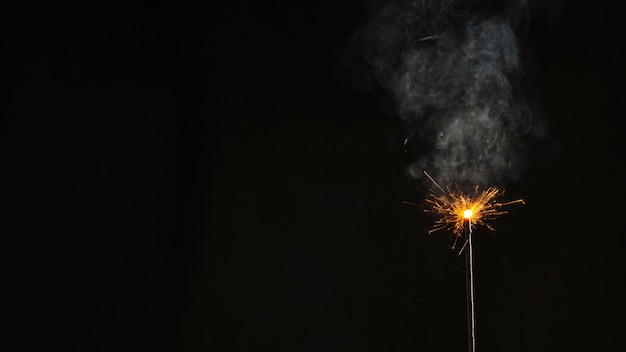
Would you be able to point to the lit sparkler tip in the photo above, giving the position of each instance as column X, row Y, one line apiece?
column 455, row 209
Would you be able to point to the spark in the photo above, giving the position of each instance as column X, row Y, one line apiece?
column 456, row 210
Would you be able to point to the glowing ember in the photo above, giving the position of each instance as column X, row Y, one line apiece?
column 455, row 209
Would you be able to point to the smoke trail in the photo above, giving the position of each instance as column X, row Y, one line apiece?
column 454, row 72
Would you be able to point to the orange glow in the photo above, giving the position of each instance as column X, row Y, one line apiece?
column 453, row 209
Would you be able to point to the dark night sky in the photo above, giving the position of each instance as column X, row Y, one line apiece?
column 202, row 177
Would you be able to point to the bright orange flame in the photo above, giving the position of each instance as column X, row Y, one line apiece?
column 453, row 209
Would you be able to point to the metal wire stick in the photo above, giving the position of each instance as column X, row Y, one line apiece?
column 469, row 281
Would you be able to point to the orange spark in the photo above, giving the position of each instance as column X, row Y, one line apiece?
column 454, row 210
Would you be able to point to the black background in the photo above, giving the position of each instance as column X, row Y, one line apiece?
column 202, row 177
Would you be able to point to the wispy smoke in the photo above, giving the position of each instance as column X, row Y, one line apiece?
column 454, row 71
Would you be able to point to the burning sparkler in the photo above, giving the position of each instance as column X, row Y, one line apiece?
column 459, row 212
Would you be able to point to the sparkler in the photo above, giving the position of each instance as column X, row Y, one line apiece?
column 459, row 213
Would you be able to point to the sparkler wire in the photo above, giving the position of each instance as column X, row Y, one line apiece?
column 469, row 264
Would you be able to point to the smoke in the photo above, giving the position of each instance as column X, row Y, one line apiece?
column 455, row 74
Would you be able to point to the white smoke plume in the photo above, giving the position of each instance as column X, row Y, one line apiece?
column 455, row 74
